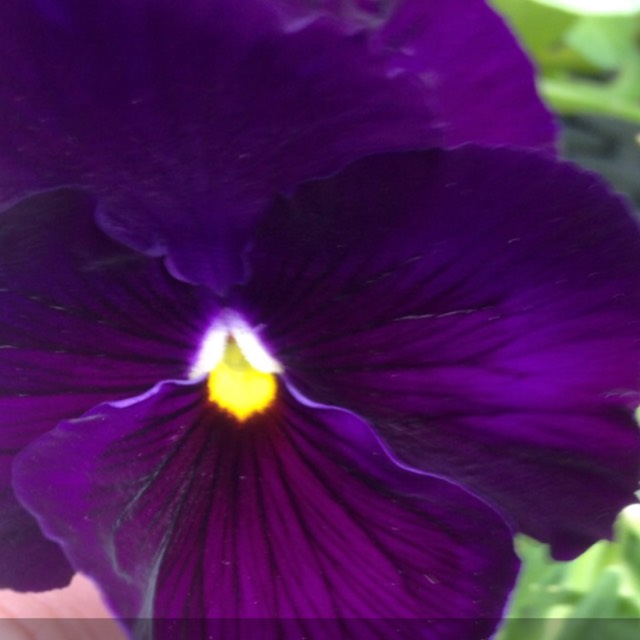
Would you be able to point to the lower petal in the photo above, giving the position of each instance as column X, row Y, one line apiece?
column 298, row 514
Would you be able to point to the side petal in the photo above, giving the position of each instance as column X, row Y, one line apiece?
column 28, row 561
column 297, row 522
column 482, row 83
column 82, row 320
column 184, row 118
column 482, row 309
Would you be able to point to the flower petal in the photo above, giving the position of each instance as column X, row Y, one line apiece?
column 481, row 81
column 482, row 309
column 75, row 332
column 298, row 514
column 185, row 118
column 28, row 561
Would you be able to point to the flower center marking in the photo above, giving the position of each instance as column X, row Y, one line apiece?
column 240, row 373
column 237, row 387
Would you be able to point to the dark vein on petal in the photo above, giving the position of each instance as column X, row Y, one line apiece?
column 282, row 473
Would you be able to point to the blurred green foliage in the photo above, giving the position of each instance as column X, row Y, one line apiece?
column 588, row 63
column 596, row 597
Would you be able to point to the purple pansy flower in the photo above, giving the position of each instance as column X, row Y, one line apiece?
column 259, row 359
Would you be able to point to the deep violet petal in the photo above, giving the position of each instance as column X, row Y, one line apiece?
column 482, row 309
column 299, row 515
column 481, row 82
column 184, row 118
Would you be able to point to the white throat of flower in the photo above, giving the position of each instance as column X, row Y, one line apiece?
column 241, row 374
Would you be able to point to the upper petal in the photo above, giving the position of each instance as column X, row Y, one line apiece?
column 82, row 320
column 184, row 118
column 482, row 309
column 481, row 82
column 297, row 522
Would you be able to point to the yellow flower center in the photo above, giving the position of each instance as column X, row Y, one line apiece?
column 238, row 387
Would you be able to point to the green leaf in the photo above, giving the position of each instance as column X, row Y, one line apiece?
column 538, row 27
column 628, row 532
column 575, row 96
column 595, row 597
column 580, row 576
column 607, row 42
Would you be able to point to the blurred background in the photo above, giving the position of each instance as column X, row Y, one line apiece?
column 587, row 53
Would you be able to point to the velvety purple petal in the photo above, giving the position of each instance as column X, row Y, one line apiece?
column 482, row 309
column 184, row 118
column 481, row 81
column 296, row 516
column 82, row 320
column 28, row 561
